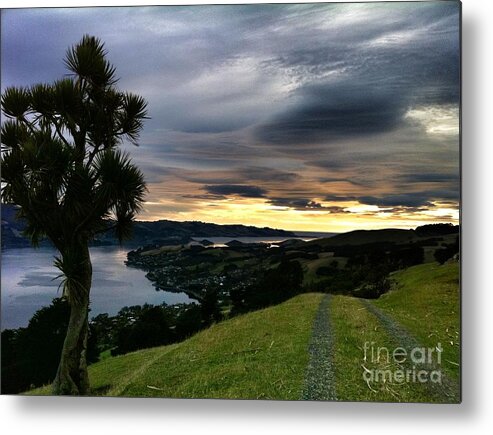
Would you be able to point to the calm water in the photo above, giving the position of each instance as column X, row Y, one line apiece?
column 27, row 284
column 221, row 241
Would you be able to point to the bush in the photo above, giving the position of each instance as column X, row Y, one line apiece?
column 188, row 321
column 446, row 253
column 209, row 307
column 150, row 329
column 436, row 230
column 30, row 355
column 272, row 287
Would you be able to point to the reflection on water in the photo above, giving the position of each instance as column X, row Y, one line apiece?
column 29, row 282
column 221, row 241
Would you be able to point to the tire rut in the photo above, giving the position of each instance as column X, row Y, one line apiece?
column 448, row 388
column 319, row 377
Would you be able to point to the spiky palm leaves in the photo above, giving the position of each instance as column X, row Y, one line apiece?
column 60, row 161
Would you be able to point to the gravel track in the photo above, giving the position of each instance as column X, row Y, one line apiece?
column 319, row 378
column 449, row 388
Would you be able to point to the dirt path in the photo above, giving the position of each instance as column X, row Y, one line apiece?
column 319, row 378
column 448, row 390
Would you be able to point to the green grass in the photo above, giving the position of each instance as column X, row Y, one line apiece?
column 426, row 302
column 310, row 266
column 259, row 355
column 263, row 354
column 352, row 326
column 105, row 354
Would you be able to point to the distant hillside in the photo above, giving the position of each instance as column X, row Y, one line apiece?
column 362, row 237
column 144, row 233
column 167, row 228
column 12, row 229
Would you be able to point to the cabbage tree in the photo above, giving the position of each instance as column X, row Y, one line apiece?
column 63, row 167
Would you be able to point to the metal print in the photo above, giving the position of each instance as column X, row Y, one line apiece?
column 254, row 201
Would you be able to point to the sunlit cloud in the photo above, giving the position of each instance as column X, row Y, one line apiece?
column 437, row 119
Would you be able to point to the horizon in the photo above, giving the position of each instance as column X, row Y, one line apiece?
column 291, row 229
column 304, row 231
column 328, row 117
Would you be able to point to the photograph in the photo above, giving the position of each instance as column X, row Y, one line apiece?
column 233, row 201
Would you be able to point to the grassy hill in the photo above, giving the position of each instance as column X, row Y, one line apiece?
column 360, row 237
column 264, row 354
column 259, row 355
column 389, row 235
column 426, row 301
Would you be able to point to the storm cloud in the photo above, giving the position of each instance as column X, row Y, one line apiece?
column 336, row 111
column 303, row 204
column 367, row 78
column 236, row 189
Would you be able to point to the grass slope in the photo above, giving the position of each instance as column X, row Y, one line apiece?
column 259, row 355
column 426, row 302
column 264, row 354
column 353, row 326
column 360, row 237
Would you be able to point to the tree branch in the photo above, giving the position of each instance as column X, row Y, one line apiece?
column 60, row 135
column 87, row 219
column 92, row 155
column 28, row 124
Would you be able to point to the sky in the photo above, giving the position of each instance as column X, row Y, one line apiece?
column 308, row 117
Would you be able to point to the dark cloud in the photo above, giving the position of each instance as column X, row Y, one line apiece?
column 405, row 200
column 332, row 112
column 257, row 173
column 236, row 189
column 376, row 73
column 413, row 199
column 207, row 197
column 403, row 210
column 336, row 198
column 434, row 177
column 451, row 194
column 296, row 203
column 339, row 180
column 239, row 175
column 234, row 176
column 306, row 204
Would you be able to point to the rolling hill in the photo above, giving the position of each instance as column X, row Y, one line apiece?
column 265, row 354
column 389, row 235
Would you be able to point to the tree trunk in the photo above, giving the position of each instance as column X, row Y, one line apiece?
column 72, row 377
